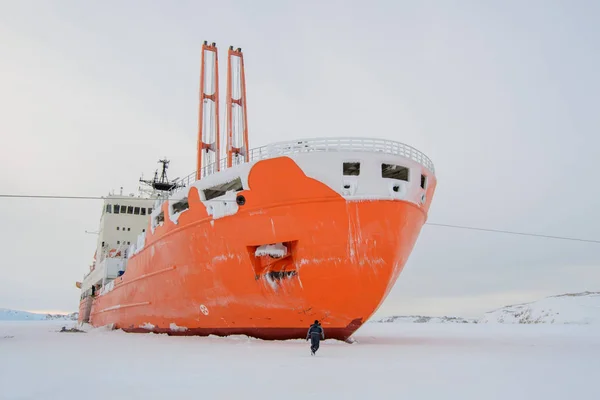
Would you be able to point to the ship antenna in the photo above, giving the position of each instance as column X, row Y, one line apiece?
column 165, row 165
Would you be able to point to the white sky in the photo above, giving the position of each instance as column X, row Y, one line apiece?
column 502, row 97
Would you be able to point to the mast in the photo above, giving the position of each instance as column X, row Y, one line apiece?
column 208, row 123
column 237, row 124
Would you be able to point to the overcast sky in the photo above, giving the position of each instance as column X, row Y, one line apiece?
column 502, row 96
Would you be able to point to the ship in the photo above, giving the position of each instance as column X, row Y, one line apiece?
column 258, row 242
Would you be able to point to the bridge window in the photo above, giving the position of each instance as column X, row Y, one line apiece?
column 423, row 181
column 351, row 168
column 108, row 208
column 143, row 211
column 136, row 210
column 220, row 190
column 130, row 210
column 117, row 209
column 393, row 171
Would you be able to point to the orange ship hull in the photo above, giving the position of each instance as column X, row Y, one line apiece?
column 200, row 276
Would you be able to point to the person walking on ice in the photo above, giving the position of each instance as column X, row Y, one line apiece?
column 315, row 333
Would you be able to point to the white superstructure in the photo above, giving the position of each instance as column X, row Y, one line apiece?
column 122, row 233
column 123, row 220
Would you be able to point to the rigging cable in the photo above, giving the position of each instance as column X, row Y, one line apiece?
column 514, row 232
column 32, row 196
column 426, row 223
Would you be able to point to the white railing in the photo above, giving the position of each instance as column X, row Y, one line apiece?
column 349, row 144
column 342, row 144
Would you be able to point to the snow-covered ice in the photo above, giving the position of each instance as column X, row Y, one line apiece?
column 388, row 361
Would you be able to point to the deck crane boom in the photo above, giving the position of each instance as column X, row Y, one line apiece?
column 237, row 124
column 208, row 113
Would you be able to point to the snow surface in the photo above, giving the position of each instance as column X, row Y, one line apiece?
column 387, row 361
column 570, row 308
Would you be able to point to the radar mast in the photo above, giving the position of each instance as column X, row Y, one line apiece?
column 160, row 184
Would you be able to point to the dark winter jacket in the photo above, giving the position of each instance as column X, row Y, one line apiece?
column 315, row 330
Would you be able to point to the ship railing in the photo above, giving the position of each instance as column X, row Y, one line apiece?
column 343, row 144
column 349, row 144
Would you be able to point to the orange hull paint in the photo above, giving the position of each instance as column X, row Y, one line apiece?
column 200, row 276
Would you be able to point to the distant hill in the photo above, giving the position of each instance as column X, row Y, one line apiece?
column 569, row 308
column 420, row 319
column 16, row 315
